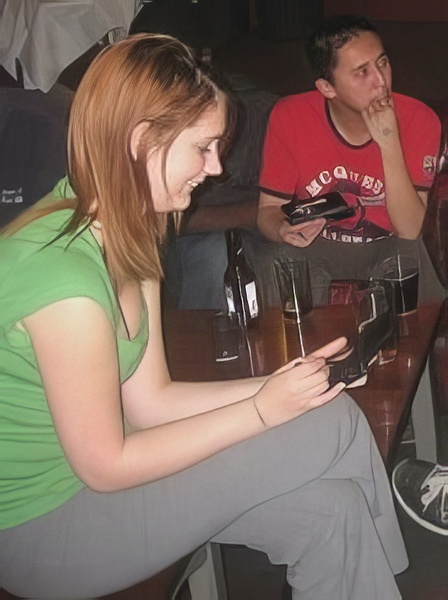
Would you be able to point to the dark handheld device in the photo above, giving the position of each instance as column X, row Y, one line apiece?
column 331, row 206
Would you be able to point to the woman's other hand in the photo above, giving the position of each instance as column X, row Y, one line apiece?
column 299, row 386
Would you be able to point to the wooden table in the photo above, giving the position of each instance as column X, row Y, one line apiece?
column 386, row 398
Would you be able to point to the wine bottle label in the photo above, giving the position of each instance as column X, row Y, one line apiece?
column 251, row 295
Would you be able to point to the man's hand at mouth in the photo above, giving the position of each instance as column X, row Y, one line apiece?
column 381, row 121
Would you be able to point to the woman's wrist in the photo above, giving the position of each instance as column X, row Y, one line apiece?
column 260, row 416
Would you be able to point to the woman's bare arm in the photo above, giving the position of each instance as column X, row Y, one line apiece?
column 170, row 401
column 75, row 348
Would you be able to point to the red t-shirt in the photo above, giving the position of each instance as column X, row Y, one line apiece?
column 305, row 155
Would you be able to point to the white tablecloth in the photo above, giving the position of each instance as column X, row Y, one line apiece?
column 48, row 35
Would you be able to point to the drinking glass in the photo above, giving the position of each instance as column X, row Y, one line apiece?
column 373, row 303
column 402, row 272
column 293, row 277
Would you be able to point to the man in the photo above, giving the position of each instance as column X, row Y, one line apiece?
column 353, row 135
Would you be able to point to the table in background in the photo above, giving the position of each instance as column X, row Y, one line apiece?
column 46, row 36
column 386, row 399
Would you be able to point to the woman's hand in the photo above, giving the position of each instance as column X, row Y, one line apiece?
column 299, row 386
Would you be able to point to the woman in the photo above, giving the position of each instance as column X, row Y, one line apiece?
column 86, row 509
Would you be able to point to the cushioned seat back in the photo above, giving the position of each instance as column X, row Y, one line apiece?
column 435, row 227
column 33, row 132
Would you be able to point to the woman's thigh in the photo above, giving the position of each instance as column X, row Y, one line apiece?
column 99, row 543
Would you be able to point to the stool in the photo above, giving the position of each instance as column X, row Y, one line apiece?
column 158, row 587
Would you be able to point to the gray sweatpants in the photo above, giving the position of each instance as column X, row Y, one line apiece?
column 313, row 494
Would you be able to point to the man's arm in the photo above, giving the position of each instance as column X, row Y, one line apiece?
column 272, row 223
column 240, row 215
column 406, row 207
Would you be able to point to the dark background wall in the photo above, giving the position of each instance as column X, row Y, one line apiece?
column 264, row 39
column 391, row 10
column 415, row 34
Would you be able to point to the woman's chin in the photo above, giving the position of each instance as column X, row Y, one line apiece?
column 178, row 204
column 183, row 204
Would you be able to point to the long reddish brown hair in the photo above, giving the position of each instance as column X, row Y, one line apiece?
column 148, row 78
column 151, row 78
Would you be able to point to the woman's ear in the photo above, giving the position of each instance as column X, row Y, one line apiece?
column 325, row 88
column 137, row 137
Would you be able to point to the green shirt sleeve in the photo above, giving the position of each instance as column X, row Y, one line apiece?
column 63, row 189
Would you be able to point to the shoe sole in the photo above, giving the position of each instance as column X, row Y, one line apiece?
column 412, row 514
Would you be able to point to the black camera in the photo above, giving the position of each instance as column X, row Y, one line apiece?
column 332, row 206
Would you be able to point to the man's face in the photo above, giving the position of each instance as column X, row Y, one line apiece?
column 362, row 75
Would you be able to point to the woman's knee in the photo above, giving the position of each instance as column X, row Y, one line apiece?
column 346, row 497
column 341, row 415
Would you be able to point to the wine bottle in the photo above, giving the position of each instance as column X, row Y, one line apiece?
column 239, row 282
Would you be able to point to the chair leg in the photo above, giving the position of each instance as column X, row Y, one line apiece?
column 157, row 587
column 205, row 575
column 423, row 420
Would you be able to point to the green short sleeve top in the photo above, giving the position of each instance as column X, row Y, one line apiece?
column 40, row 265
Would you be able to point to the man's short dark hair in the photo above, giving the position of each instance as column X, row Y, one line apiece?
column 328, row 38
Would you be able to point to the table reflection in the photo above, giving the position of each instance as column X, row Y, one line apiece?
column 386, row 398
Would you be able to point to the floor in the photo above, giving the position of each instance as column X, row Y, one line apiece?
column 417, row 52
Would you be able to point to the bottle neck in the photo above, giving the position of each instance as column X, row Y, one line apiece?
column 234, row 244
